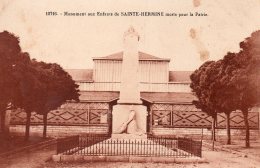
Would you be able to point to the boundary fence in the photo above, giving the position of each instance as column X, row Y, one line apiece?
column 103, row 145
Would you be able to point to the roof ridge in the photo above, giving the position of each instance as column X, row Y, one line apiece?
column 79, row 69
column 142, row 56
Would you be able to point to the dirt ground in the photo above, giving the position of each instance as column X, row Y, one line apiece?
column 14, row 142
column 216, row 159
column 28, row 159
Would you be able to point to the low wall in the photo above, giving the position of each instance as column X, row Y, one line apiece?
column 197, row 133
column 165, row 119
column 188, row 116
column 69, row 119
column 62, row 131
column 58, row 131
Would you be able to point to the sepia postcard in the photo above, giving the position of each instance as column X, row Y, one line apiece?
column 129, row 83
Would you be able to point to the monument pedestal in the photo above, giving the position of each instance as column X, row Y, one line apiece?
column 129, row 115
column 121, row 114
column 128, row 136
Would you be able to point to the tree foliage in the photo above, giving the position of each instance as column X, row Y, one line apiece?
column 29, row 84
column 246, row 78
column 231, row 83
column 29, row 88
column 59, row 87
column 205, row 87
column 199, row 86
column 9, row 56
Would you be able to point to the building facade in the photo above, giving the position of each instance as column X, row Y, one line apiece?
column 165, row 94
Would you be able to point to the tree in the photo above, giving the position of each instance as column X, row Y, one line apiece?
column 201, row 85
column 29, row 88
column 226, row 98
column 9, row 54
column 246, row 77
column 231, row 83
column 217, row 96
column 59, row 88
column 29, row 84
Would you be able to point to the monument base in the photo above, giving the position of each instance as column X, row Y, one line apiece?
column 121, row 114
column 128, row 136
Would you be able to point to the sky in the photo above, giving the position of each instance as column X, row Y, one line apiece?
column 72, row 41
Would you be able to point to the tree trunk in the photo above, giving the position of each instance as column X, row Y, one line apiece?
column 213, row 132
column 228, row 128
column 45, row 125
column 245, row 114
column 28, row 123
column 213, row 129
column 3, row 112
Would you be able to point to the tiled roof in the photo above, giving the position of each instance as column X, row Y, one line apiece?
column 179, row 76
column 142, row 56
column 153, row 97
column 101, row 96
column 168, row 97
column 81, row 74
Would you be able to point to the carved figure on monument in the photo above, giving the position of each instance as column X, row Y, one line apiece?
column 130, row 125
